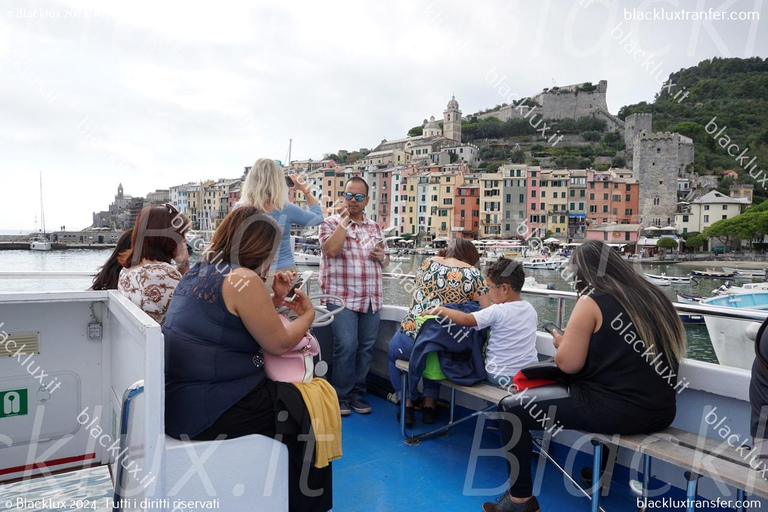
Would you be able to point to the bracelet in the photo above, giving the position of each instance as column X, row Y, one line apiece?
column 183, row 264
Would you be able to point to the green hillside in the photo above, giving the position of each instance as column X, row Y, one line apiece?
column 733, row 90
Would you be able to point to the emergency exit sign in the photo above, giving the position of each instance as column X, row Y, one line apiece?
column 13, row 403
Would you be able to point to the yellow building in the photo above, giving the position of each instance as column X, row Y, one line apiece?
column 554, row 196
column 442, row 190
column 490, row 204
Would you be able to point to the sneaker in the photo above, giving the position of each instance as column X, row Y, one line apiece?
column 360, row 406
column 505, row 504
column 344, row 408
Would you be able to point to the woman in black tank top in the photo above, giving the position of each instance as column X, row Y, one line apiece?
column 622, row 348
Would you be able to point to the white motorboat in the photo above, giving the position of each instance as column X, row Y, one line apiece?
column 399, row 258
column 671, row 279
column 745, row 272
column 657, row 282
column 728, row 289
column 539, row 264
column 306, row 259
column 730, row 338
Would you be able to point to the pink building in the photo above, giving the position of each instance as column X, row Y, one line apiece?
column 622, row 236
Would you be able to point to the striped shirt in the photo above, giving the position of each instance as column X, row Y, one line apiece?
column 353, row 275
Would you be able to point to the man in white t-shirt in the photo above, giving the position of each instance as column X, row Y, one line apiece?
column 513, row 322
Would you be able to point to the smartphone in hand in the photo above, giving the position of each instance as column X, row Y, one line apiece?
column 289, row 181
column 300, row 283
column 551, row 328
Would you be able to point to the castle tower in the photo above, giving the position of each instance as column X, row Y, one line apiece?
column 659, row 158
column 452, row 121
column 634, row 126
column 431, row 128
column 120, row 191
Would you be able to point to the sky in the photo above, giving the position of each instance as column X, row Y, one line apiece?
column 154, row 94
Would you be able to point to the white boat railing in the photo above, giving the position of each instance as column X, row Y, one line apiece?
column 560, row 295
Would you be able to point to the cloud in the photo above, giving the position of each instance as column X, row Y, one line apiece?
column 155, row 94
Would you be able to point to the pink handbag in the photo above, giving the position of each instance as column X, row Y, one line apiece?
column 294, row 366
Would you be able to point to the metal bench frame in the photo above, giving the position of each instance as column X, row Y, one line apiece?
column 674, row 446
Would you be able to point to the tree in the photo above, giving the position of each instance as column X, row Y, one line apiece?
column 591, row 136
column 454, row 157
column 695, row 241
column 666, row 243
column 416, row 131
column 618, row 162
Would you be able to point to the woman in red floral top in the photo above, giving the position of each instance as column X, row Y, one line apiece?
column 450, row 277
column 149, row 279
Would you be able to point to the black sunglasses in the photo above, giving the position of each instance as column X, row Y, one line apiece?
column 358, row 197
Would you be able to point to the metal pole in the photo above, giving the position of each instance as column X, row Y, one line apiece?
column 740, row 498
column 453, row 403
column 691, row 488
column 646, row 479
column 596, row 474
column 560, row 311
column 132, row 392
column 403, row 393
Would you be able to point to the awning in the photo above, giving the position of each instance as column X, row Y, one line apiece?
column 616, row 245
column 577, row 215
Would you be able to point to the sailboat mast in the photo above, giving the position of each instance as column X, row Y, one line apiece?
column 42, row 211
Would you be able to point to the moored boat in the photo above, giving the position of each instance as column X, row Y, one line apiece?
column 732, row 345
column 729, row 289
column 687, row 298
column 656, row 281
column 306, row 259
column 671, row 279
column 745, row 272
column 538, row 264
column 712, row 274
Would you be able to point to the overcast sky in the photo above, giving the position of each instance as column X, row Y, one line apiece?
column 153, row 94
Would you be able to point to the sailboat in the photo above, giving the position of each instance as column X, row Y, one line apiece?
column 41, row 242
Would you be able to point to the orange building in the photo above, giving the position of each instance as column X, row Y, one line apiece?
column 612, row 197
column 466, row 221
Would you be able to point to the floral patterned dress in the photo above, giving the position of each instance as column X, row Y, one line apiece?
column 150, row 286
column 437, row 284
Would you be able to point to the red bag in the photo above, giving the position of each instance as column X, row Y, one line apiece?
column 521, row 382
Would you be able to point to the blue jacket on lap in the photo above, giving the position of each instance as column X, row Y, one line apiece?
column 459, row 349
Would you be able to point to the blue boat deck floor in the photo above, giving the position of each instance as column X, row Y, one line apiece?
column 379, row 473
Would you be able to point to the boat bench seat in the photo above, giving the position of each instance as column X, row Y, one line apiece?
column 697, row 455
column 245, row 473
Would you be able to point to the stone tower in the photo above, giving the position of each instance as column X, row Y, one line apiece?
column 452, row 121
column 659, row 158
column 634, row 126
column 120, row 191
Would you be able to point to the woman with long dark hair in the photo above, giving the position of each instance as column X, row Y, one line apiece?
column 449, row 277
column 622, row 348
column 109, row 273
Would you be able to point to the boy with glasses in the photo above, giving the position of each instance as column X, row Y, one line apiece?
column 353, row 256
column 513, row 322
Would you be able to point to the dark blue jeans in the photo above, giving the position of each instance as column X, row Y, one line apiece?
column 354, row 335
column 401, row 347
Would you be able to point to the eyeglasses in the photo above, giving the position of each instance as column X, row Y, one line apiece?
column 358, row 197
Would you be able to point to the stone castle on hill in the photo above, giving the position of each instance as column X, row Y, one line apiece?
column 566, row 102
